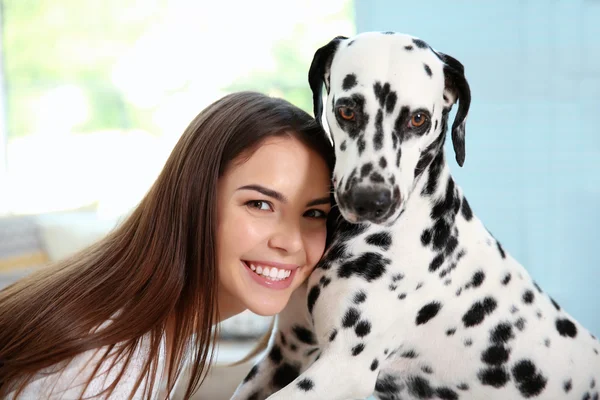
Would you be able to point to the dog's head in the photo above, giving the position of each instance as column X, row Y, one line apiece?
column 388, row 99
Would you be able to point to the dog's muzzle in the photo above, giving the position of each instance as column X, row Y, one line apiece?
column 373, row 203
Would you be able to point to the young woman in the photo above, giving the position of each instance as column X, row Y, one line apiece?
column 236, row 220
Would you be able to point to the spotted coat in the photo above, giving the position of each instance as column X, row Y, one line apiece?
column 415, row 298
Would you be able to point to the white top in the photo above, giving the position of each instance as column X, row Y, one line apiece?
column 69, row 384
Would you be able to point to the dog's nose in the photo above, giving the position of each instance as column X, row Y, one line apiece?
column 370, row 203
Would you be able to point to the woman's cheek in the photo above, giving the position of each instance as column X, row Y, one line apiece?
column 317, row 247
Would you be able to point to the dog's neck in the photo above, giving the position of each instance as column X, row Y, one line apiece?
column 434, row 198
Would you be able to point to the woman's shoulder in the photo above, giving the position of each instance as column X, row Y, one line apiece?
column 59, row 383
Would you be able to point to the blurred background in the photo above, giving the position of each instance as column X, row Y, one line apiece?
column 94, row 94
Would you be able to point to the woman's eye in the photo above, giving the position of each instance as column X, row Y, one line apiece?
column 259, row 205
column 315, row 214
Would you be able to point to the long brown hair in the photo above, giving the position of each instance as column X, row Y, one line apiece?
column 156, row 269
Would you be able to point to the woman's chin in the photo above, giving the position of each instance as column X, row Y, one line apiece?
column 268, row 308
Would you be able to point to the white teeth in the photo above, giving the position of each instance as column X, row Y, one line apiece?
column 272, row 273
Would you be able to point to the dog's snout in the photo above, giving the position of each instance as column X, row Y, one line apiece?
column 370, row 203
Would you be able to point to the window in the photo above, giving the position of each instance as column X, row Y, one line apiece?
column 97, row 93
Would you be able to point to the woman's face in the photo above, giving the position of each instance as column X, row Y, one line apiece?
column 272, row 210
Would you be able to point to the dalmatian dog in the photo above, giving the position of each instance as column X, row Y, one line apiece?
column 415, row 298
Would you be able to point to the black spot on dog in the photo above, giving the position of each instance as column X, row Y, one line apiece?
column 380, row 239
column 477, row 279
column 356, row 350
column 529, row 381
column 349, row 82
column 369, row 266
column 420, row 43
column 366, row 170
column 293, row 347
column 251, row 374
column 495, row 355
column 282, row 339
column 360, row 297
column 462, row 386
column 390, row 102
column 420, row 387
column 466, row 211
column 312, row 297
column 436, row 263
column 343, row 146
column 566, row 327
column 528, row 297
column 304, row 335
column 284, row 375
column 362, row 329
column 500, row 249
column 506, row 279
column 306, row 385
column 478, row 311
column 401, row 296
column 409, row 354
column 386, row 385
column 377, row 178
column 382, row 163
column 427, row 312
column 374, row 365
column 427, row 70
column 350, row 43
column 324, row 281
column 427, row 369
column 357, row 126
column 441, row 231
column 445, row 393
column 333, row 335
column 568, row 385
column 520, row 324
column 397, row 277
column 350, row 318
column 378, row 137
column 502, row 333
column 389, row 33
column 468, row 342
column 254, row 396
column 426, row 237
column 408, row 48
column 275, row 355
column 450, row 332
column 494, row 376
column 361, row 145
column 424, row 160
column 538, row 288
column 547, row 342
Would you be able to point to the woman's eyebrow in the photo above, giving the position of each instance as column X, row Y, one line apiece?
column 266, row 191
column 319, row 201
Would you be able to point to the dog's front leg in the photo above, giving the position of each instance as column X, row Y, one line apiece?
column 340, row 373
column 291, row 350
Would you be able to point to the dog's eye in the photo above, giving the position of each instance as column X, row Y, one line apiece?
column 418, row 120
column 346, row 113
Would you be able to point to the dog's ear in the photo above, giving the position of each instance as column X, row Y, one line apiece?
column 457, row 85
column 318, row 73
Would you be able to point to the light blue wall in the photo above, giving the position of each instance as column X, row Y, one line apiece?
column 533, row 135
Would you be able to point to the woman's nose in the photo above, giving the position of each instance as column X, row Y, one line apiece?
column 287, row 238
